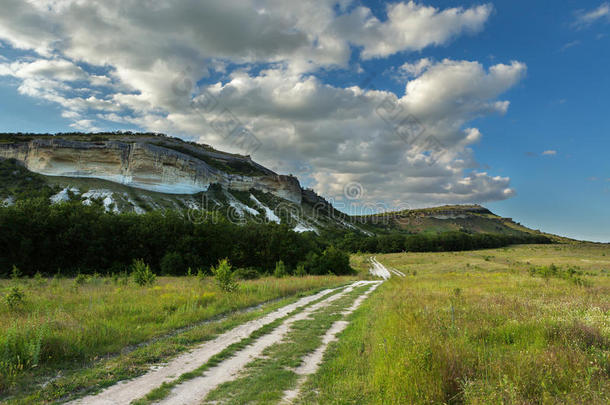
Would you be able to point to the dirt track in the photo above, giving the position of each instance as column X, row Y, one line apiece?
column 127, row 391
column 193, row 391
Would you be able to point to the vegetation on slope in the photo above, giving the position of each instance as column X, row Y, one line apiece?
column 72, row 238
column 19, row 183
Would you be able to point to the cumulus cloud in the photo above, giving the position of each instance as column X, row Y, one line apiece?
column 549, row 153
column 150, row 65
column 409, row 26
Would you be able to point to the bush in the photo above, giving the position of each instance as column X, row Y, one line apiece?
column 280, row 270
column 224, row 276
column 201, row 275
column 14, row 298
column 16, row 273
column 300, row 270
column 248, row 273
column 172, row 264
column 39, row 279
column 80, row 279
column 142, row 274
column 335, row 261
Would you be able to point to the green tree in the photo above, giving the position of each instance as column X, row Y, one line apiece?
column 224, row 276
column 142, row 274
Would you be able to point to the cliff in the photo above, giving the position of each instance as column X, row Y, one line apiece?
column 160, row 164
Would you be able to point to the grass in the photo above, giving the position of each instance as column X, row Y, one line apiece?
column 265, row 379
column 164, row 390
column 478, row 327
column 71, row 326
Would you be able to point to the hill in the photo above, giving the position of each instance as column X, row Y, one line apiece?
column 143, row 172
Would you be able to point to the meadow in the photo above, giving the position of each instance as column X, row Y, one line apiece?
column 523, row 324
column 97, row 330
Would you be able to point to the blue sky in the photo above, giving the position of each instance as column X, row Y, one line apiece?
column 291, row 81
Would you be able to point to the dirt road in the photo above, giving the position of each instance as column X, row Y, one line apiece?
column 193, row 391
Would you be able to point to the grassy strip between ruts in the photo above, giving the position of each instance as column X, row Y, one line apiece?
column 266, row 379
column 164, row 390
column 92, row 378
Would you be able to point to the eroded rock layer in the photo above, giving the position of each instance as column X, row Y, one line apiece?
column 151, row 166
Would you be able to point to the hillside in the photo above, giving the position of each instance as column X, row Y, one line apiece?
column 126, row 172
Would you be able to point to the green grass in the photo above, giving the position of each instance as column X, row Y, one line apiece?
column 161, row 392
column 65, row 327
column 477, row 327
column 265, row 379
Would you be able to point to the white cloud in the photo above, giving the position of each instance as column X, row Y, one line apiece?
column 152, row 53
column 549, row 153
column 409, row 27
column 586, row 18
column 409, row 70
column 53, row 69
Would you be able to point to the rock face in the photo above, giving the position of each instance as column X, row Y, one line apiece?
column 149, row 164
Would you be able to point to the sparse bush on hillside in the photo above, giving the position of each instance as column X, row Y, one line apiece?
column 552, row 271
column 224, row 276
column 142, row 274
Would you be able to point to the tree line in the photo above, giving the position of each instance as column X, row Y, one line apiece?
column 72, row 238
column 432, row 242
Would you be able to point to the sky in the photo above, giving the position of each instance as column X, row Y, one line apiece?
column 376, row 105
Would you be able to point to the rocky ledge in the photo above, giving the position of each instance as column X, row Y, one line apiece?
column 164, row 165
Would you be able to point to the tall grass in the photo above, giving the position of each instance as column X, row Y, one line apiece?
column 477, row 328
column 62, row 322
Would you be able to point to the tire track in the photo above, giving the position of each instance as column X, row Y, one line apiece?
column 123, row 393
column 195, row 390
column 312, row 362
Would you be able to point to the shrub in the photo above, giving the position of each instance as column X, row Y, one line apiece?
column 335, row 261
column 224, row 276
column 80, row 279
column 201, row 274
column 39, row 279
column 280, row 270
column 300, row 270
column 142, row 274
column 248, row 273
column 16, row 273
column 14, row 298
column 172, row 264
